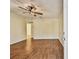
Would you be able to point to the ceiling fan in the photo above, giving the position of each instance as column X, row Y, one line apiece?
column 31, row 9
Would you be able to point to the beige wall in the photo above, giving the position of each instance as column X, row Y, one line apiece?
column 45, row 29
column 48, row 29
column 17, row 28
column 42, row 28
column 61, row 30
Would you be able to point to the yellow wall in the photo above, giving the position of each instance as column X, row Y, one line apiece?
column 17, row 28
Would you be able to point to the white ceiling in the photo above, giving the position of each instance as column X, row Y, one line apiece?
column 50, row 8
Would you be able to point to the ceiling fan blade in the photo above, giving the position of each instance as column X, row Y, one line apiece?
column 38, row 13
column 22, row 8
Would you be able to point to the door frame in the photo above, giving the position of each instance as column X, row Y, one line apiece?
column 65, row 17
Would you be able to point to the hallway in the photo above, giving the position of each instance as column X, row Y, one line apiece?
column 40, row 49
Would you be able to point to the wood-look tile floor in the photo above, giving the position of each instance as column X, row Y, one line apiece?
column 40, row 49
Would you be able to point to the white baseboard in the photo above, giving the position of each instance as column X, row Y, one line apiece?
column 37, row 37
column 17, row 40
column 48, row 37
column 45, row 37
